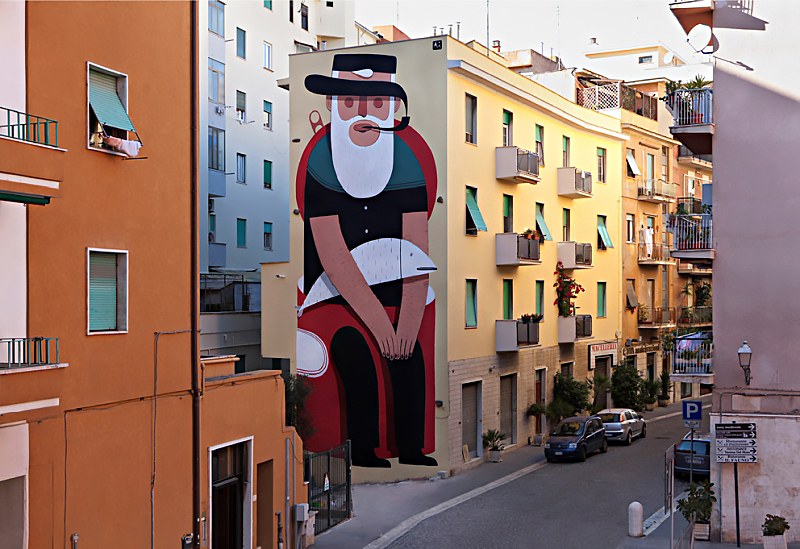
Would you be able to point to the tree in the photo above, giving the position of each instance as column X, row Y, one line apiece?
column 571, row 391
column 626, row 387
column 296, row 391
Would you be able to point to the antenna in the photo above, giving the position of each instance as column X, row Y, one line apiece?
column 487, row 28
column 458, row 30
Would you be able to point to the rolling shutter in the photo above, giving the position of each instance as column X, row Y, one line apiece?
column 105, row 102
column 507, row 406
column 102, row 291
column 469, row 417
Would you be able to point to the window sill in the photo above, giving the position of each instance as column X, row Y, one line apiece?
column 36, row 368
column 470, row 327
column 268, row 187
column 88, row 333
column 106, row 151
column 468, row 234
column 268, row 69
column 242, row 182
column 471, row 143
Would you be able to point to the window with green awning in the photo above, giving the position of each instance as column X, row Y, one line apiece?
column 106, row 103
column 540, row 224
column 602, row 232
column 475, row 221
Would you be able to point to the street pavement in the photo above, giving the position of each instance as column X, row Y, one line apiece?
column 523, row 501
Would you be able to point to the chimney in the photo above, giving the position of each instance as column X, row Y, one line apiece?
column 496, row 45
column 592, row 41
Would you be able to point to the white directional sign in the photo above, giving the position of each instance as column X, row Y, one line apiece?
column 736, row 443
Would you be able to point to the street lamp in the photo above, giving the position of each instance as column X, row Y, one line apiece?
column 744, row 361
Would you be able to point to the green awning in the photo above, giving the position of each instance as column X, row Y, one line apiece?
column 105, row 102
column 25, row 198
column 542, row 225
column 604, row 236
column 474, row 211
column 506, row 118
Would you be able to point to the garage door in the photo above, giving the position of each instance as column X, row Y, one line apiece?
column 507, row 386
column 469, row 417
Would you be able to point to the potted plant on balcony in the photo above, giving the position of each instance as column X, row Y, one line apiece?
column 493, row 440
column 665, row 386
column 773, row 528
column 567, row 289
column 698, row 504
column 642, row 314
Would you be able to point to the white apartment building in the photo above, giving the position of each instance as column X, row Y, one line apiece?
column 244, row 48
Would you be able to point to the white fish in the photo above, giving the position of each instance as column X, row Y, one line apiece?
column 381, row 260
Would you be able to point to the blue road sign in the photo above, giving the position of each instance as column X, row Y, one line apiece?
column 692, row 413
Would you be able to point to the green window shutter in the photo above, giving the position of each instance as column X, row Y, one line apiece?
column 268, row 228
column 538, row 133
column 102, row 291
column 539, row 297
column 506, row 118
column 472, row 313
column 106, row 103
column 601, row 228
column 540, row 222
column 268, row 4
column 267, row 106
column 505, row 205
column 507, row 296
column 241, row 36
column 564, row 143
column 474, row 211
column 601, row 299
column 267, row 173
column 241, row 233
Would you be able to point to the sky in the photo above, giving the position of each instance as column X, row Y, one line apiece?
column 563, row 25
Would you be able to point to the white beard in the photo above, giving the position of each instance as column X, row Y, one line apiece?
column 362, row 171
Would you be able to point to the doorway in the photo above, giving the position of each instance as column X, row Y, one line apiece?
column 470, row 420
column 231, row 493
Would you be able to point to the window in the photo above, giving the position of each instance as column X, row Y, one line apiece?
column 241, row 37
column 651, row 221
column 540, row 143
column 304, row 16
column 216, row 81
column 472, row 303
column 329, row 3
column 631, row 301
column 268, row 4
column 630, row 228
column 665, row 164
column 651, row 366
column 291, row 11
column 603, row 238
column 633, row 168
column 212, row 228
column 601, row 165
column 541, row 226
column 108, row 106
column 646, row 59
column 565, row 225
column 540, row 297
column 474, row 220
column 566, row 369
column 241, row 105
column 565, row 151
column 267, row 54
column 268, row 236
column 471, row 119
column 108, row 290
column 241, row 168
column 508, row 213
column 216, row 17
column 216, row 149
column 650, row 169
column 267, row 115
column 508, row 299
column 601, row 299
column 508, row 120
column 267, row 174
column 241, row 233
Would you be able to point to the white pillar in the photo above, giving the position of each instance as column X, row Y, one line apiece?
column 635, row 520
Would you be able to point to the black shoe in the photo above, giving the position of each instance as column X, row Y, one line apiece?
column 416, row 457
column 369, row 459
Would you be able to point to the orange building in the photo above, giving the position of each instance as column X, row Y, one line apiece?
column 112, row 431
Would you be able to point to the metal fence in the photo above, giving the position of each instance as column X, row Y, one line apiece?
column 656, row 316
column 329, row 486
column 691, row 107
column 654, row 252
column 27, row 127
column 686, row 152
column 229, row 293
column 685, row 539
column 656, row 188
column 696, row 315
column 27, row 352
column 527, row 162
column 528, row 248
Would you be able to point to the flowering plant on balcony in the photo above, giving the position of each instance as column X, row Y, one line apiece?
column 531, row 319
column 567, row 289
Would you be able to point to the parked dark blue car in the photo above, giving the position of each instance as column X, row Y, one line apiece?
column 576, row 437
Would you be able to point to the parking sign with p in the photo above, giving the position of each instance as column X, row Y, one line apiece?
column 692, row 414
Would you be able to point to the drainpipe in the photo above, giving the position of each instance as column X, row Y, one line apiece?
column 194, row 276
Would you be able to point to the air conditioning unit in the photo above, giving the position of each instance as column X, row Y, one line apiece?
column 210, row 205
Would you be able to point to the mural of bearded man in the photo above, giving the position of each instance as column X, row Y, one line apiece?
column 365, row 187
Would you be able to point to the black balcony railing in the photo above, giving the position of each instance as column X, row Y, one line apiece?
column 656, row 316
column 583, row 325
column 527, row 333
column 696, row 315
column 689, row 205
column 27, row 352
column 229, row 293
column 640, row 103
column 686, row 152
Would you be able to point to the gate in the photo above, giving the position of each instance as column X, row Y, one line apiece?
column 329, row 486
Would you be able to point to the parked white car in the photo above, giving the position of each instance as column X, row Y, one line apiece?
column 622, row 424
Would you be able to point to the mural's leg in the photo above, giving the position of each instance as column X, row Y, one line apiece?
column 408, row 387
column 352, row 359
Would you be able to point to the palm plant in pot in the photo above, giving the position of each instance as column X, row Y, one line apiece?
column 493, row 440
column 665, row 385
column 650, row 389
column 697, row 504
column 773, row 528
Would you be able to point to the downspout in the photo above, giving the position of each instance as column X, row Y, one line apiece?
column 194, row 307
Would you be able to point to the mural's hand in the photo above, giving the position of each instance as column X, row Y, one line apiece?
column 383, row 332
column 405, row 339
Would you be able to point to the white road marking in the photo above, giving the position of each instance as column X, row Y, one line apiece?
column 659, row 418
column 655, row 520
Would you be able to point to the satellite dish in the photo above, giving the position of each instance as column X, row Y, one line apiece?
column 668, row 58
column 699, row 37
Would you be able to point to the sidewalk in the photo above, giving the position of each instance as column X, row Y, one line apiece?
column 414, row 500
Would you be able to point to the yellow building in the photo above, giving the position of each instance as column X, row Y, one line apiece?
column 469, row 157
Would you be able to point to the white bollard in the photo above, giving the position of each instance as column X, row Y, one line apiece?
column 635, row 520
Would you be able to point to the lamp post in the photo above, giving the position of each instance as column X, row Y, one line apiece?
column 745, row 354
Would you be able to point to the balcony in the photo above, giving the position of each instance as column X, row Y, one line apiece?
column 574, row 183
column 655, row 190
column 688, row 157
column 692, row 236
column 692, row 111
column 229, row 293
column 692, row 359
column 696, row 316
column 618, row 96
column 216, row 254
column 27, row 127
column 516, row 165
column 512, row 335
column 655, row 254
column 216, row 184
column 37, row 353
column 574, row 328
column 694, row 269
column 575, row 255
column 512, row 249
column 656, row 317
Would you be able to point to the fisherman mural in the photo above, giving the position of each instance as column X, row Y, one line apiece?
column 365, row 187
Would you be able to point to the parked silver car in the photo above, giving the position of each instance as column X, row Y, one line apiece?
column 622, row 424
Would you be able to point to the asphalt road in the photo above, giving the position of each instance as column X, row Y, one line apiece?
column 563, row 505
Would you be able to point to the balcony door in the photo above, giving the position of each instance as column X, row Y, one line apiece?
column 650, row 171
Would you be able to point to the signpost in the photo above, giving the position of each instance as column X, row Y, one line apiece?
column 736, row 443
column 692, row 416
column 669, row 490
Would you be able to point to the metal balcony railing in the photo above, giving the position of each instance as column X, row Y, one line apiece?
column 656, row 189
column 527, row 333
column 527, row 162
column 691, row 107
column 696, row 315
column 27, row 127
column 689, row 205
column 685, row 152
column 583, row 181
column 528, row 248
column 583, row 254
column 654, row 252
column 692, row 355
column 691, row 232
column 618, row 96
column 656, row 316
column 229, row 293
column 583, row 325
column 27, row 352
